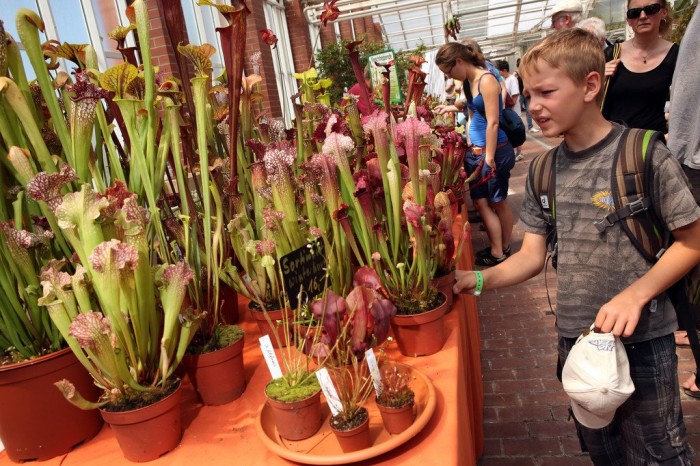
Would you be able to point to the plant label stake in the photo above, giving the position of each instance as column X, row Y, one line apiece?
column 268, row 352
column 324, row 379
column 374, row 371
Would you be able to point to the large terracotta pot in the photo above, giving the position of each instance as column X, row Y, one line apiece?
column 36, row 421
column 420, row 334
column 297, row 420
column 444, row 284
column 354, row 439
column 276, row 317
column 147, row 433
column 217, row 376
column 396, row 420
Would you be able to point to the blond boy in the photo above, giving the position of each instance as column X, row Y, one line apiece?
column 602, row 278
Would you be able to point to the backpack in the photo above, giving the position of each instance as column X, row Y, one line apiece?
column 632, row 184
column 513, row 126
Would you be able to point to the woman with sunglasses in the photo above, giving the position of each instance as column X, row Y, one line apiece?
column 465, row 62
column 641, row 77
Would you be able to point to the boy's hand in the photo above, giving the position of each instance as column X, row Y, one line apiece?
column 465, row 281
column 620, row 315
column 610, row 67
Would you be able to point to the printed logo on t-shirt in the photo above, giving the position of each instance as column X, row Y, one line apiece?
column 604, row 200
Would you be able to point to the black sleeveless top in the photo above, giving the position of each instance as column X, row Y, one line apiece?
column 638, row 99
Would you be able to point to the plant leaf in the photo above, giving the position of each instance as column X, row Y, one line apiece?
column 118, row 78
column 199, row 55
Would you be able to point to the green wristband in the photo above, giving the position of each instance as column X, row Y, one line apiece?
column 478, row 288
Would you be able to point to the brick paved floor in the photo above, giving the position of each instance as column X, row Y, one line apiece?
column 525, row 408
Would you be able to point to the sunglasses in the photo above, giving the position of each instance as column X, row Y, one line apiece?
column 649, row 10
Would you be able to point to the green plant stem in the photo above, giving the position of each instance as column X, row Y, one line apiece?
column 28, row 26
column 16, row 67
column 199, row 92
column 19, row 105
column 171, row 121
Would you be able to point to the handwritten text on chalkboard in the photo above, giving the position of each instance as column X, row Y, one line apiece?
column 304, row 270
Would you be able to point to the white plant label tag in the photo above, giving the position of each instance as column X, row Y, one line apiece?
column 332, row 398
column 268, row 352
column 374, row 370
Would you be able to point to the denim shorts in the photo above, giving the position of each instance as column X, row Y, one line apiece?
column 496, row 189
column 648, row 428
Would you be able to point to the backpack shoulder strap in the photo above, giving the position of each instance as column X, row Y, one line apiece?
column 542, row 178
column 632, row 184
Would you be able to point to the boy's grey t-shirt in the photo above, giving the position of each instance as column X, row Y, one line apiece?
column 593, row 267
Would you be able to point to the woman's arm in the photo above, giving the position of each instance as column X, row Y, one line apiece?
column 457, row 107
column 490, row 90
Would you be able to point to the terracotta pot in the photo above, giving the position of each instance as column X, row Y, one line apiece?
column 36, row 421
column 217, row 376
column 354, row 439
column 229, row 304
column 147, row 433
column 420, row 334
column 276, row 316
column 444, row 284
column 297, row 420
column 396, row 420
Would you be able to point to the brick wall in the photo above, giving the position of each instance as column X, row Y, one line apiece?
column 254, row 43
column 300, row 39
column 162, row 51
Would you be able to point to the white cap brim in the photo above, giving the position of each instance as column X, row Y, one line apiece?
column 589, row 419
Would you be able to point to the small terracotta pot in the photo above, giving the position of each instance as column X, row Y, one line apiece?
column 147, row 433
column 36, row 421
column 354, row 439
column 444, row 284
column 217, row 376
column 396, row 420
column 297, row 420
column 420, row 334
column 275, row 316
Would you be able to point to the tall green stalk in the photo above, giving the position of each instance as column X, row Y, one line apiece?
column 29, row 24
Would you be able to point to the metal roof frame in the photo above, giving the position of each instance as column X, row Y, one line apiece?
column 501, row 27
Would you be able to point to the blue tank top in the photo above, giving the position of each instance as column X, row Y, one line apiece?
column 477, row 128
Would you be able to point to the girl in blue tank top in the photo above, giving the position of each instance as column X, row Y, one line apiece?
column 489, row 143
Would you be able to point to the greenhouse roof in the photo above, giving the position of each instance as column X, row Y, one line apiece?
column 501, row 27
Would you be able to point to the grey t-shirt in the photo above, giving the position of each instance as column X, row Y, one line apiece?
column 684, row 124
column 593, row 267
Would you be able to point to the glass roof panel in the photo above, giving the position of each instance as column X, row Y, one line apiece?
column 501, row 27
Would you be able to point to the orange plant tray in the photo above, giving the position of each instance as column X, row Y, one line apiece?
column 323, row 448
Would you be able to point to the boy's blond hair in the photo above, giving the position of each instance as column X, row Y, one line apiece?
column 575, row 51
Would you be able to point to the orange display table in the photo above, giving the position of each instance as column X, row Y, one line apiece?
column 222, row 435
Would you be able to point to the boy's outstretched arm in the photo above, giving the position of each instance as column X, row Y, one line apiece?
column 621, row 314
column 521, row 266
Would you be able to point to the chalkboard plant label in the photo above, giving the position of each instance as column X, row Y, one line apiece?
column 304, row 270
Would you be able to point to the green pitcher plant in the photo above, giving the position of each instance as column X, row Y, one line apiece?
column 121, row 317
